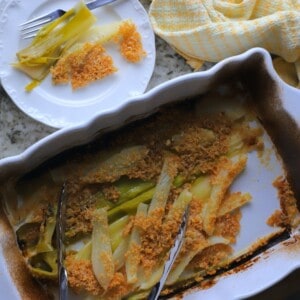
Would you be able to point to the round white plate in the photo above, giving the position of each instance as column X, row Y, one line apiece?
column 59, row 106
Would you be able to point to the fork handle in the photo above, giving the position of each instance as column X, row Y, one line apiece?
column 98, row 3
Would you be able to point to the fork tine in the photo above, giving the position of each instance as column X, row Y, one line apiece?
column 35, row 20
column 31, row 30
column 29, row 36
column 35, row 23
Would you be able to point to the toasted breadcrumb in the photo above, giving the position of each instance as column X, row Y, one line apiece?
column 111, row 192
column 288, row 201
column 118, row 287
column 83, row 66
column 278, row 218
column 131, row 47
column 82, row 279
column 211, row 257
column 228, row 226
column 91, row 62
column 81, row 276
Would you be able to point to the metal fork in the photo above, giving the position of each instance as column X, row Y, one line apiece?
column 60, row 241
column 31, row 27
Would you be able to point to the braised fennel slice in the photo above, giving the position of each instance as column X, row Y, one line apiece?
column 51, row 41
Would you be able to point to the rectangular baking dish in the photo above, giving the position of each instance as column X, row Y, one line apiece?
column 277, row 107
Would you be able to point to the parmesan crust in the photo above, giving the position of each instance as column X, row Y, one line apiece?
column 131, row 47
column 83, row 66
column 91, row 62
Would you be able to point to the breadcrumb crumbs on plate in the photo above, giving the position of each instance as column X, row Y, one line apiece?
column 88, row 64
column 131, row 47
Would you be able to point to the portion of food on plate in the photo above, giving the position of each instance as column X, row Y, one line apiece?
column 81, row 67
column 87, row 60
column 127, row 192
column 72, row 49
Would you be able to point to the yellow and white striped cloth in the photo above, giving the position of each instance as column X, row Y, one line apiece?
column 211, row 30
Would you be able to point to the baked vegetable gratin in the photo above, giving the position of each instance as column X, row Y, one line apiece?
column 126, row 194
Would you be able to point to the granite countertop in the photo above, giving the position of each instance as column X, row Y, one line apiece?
column 18, row 131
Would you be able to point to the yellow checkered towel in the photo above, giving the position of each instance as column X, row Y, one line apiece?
column 211, row 30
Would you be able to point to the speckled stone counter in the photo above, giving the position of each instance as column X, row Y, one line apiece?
column 18, row 131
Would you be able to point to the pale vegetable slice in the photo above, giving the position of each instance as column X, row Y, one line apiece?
column 179, row 205
column 201, row 188
column 213, row 240
column 102, row 259
column 45, row 241
column 236, row 144
column 46, row 48
column 133, row 254
column 220, row 184
column 233, row 201
column 177, row 209
column 179, row 271
column 224, row 261
column 153, row 279
column 116, row 166
column 116, row 231
column 98, row 34
column 120, row 252
column 48, row 259
column 164, row 184
column 130, row 206
column 85, row 252
column 178, row 268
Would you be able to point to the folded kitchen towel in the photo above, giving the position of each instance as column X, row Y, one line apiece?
column 211, row 30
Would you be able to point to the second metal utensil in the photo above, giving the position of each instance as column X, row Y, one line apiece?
column 156, row 290
column 60, row 237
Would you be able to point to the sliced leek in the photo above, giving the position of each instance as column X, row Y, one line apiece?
column 51, row 41
column 102, row 259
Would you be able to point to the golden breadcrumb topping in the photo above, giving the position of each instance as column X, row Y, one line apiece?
column 91, row 62
column 288, row 201
column 211, row 257
column 278, row 218
column 130, row 41
column 82, row 279
column 228, row 226
column 88, row 64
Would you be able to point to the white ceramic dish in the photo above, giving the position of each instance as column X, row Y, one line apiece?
column 277, row 105
column 59, row 106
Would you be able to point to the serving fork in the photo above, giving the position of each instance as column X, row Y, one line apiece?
column 157, row 288
column 60, row 239
column 30, row 28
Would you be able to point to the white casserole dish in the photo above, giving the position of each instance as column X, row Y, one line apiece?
column 277, row 107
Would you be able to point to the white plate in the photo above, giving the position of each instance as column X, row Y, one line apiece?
column 59, row 106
